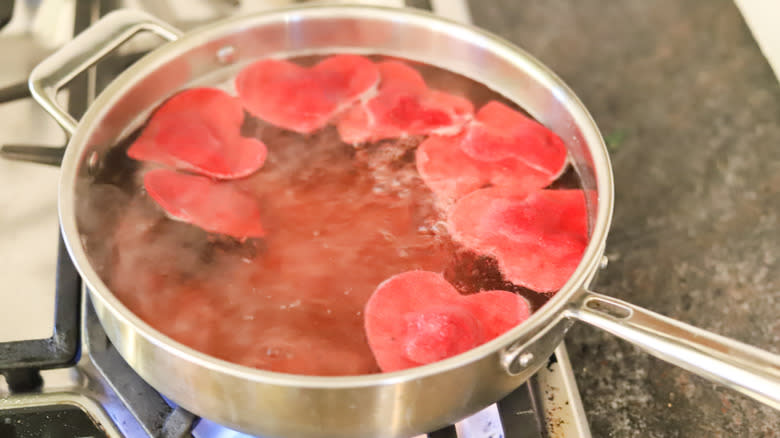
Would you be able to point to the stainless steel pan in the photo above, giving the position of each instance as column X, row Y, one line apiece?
column 384, row 405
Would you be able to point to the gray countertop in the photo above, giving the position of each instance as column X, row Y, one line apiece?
column 691, row 111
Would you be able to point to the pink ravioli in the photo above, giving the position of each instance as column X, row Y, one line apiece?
column 404, row 105
column 538, row 239
column 199, row 130
column 501, row 147
column 451, row 174
column 499, row 132
column 218, row 207
column 417, row 317
column 305, row 99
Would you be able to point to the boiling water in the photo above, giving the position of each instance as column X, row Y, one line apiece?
column 339, row 220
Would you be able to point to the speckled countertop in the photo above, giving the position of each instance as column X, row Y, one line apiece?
column 691, row 112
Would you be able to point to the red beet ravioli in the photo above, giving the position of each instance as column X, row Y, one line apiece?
column 217, row 207
column 451, row 174
column 499, row 132
column 417, row 317
column 538, row 239
column 199, row 130
column 404, row 106
column 305, row 99
column 500, row 147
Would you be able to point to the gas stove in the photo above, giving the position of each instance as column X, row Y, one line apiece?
column 63, row 378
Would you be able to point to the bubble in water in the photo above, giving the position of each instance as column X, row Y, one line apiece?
column 440, row 228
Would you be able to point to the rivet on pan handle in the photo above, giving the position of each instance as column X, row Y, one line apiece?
column 84, row 51
column 753, row 372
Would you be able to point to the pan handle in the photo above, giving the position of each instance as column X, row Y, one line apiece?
column 85, row 50
column 749, row 370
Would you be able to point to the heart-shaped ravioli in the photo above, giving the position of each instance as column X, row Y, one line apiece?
column 417, row 317
column 451, row 174
column 404, row 105
column 501, row 147
column 218, row 207
column 538, row 239
column 305, row 99
column 499, row 132
column 199, row 130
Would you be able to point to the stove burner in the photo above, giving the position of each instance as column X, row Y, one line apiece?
column 60, row 420
column 157, row 416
